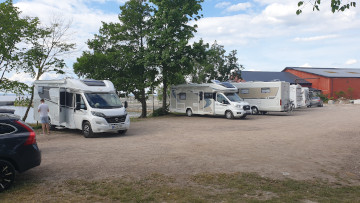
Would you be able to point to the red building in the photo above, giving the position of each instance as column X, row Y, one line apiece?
column 331, row 81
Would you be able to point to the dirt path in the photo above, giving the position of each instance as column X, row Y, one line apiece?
column 310, row 143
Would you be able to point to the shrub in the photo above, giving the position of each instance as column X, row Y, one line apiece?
column 160, row 112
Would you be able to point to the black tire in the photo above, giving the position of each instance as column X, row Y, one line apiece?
column 244, row 116
column 122, row 132
column 229, row 115
column 7, row 175
column 254, row 111
column 189, row 112
column 87, row 130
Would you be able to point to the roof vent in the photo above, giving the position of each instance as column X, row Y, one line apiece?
column 93, row 82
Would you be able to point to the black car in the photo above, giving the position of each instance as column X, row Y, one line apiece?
column 18, row 149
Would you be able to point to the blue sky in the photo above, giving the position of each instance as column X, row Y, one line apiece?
column 267, row 34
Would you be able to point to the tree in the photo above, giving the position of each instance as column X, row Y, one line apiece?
column 169, row 40
column 47, row 48
column 13, row 31
column 216, row 65
column 336, row 5
column 120, row 53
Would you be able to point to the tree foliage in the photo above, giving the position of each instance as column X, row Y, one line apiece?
column 14, row 30
column 336, row 5
column 47, row 48
column 169, row 39
column 120, row 53
column 212, row 63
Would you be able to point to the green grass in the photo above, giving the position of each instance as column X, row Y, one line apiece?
column 237, row 187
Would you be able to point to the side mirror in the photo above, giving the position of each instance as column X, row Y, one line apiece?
column 125, row 104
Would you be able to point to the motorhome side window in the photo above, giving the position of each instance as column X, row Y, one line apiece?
column 265, row 90
column 244, row 91
column 220, row 98
column 208, row 95
column 80, row 104
column 182, row 96
column 66, row 99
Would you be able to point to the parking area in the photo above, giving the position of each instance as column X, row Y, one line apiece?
column 309, row 143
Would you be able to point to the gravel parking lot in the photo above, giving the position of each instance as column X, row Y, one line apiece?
column 309, row 143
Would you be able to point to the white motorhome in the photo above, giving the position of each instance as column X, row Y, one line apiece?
column 305, row 102
column 89, row 105
column 217, row 98
column 265, row 97
column 296, row 95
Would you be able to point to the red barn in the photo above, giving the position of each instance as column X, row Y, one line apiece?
column 333, row 82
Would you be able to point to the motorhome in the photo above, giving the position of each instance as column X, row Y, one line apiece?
column 296, row 96
column 305, row 102
column 265, row 97
column 89, row 105
column 217, row 98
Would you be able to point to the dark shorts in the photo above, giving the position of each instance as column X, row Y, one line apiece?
column 44, row 119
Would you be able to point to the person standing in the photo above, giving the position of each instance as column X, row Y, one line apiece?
column 43, row 109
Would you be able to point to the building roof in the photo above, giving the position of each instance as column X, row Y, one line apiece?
column 272, row 76
column 330, row 72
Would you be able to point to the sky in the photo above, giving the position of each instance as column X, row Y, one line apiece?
column 267, row 34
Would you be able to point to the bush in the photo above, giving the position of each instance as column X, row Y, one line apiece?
column 160, row 112
column 324, row 97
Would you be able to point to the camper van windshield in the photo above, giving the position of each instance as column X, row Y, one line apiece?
column 103, row 100
column 233, row 97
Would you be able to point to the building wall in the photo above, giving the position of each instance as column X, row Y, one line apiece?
column 330, row 85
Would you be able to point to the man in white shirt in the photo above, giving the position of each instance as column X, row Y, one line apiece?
column 43, row 109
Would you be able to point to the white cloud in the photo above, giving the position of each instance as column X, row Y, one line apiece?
column 351, row 62
column 22, row 77
column 222, row 4
column 306, row 39
column 306, row 65
column 239, row 7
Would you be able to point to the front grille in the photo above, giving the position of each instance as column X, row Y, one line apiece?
column 246, row 107
column 116, row 119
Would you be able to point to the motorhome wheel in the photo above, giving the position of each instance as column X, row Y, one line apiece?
column 189, row 112
column 87, row 131
column 254, row 111
column 7, row 175
column 229, row 115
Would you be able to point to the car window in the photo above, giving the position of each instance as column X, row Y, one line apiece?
column 6, row 129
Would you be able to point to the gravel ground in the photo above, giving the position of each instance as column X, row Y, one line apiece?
column 309, row 143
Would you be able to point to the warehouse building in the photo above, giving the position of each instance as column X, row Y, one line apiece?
column 333, row 82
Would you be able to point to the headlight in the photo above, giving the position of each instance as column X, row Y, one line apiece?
column 99, row 114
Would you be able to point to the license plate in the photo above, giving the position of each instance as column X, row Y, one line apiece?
column 116, row 126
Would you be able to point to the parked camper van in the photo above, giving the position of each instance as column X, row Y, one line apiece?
column 296, row 96
column 305, row 102
column 264, row 97
column 89, row 105
column 217, row 98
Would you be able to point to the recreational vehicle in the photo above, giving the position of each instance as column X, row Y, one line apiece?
column 89, row 105
column 217, row 98
column 305, row 102
column 296, row 96
column 265, row 97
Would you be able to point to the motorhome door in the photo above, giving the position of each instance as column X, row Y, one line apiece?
column 62, row 106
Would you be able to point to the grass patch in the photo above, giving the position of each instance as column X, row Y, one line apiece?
column 237, row 187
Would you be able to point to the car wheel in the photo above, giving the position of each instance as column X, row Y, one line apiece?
column 87, row 131
column 229, row 115
column 189, row 112
column 122, row 132
column 7, row 175
column 254, row 111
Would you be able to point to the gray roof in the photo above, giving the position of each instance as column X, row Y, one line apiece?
column 271, row 76
column 330, row 72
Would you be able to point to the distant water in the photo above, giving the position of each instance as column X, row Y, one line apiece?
column 11, row 97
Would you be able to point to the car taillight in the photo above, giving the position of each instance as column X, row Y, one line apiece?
column 32, row 137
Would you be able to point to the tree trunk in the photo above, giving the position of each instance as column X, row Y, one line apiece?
column 164, row 94
column 143, row 104
column 30, row 103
